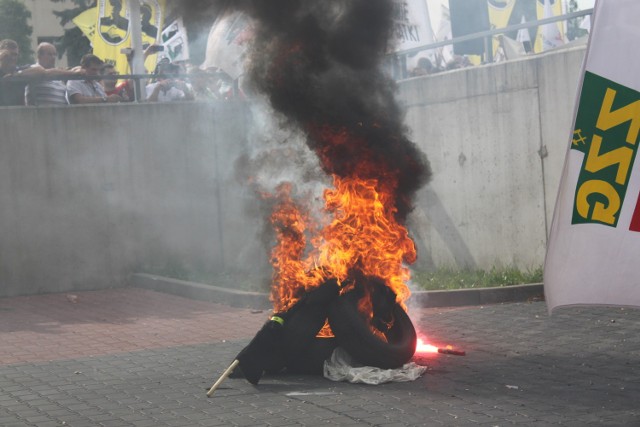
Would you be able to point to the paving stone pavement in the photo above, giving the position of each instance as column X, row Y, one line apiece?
column 132, row 357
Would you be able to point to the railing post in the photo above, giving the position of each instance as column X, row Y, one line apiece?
column 488, row 49
column 137, row 61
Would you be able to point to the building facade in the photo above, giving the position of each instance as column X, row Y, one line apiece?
column 46, row 26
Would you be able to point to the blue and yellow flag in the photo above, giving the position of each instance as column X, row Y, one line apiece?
column 112, row 31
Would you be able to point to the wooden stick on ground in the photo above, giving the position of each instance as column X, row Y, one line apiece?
column 224, row 375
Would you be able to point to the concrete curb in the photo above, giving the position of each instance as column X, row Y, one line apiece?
column 480, row 296
column 201, row 292
column 257, row 300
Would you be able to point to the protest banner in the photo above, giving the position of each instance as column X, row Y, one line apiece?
column 595, row 233
column 113, row 33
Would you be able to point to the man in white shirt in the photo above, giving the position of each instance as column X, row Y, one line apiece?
column 167, row 88
column 12, row 92
column 89, row 91
column 50, row 92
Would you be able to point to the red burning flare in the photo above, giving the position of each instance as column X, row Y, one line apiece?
column 423, row 347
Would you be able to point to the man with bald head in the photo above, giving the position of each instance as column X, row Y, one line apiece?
column 52, row 92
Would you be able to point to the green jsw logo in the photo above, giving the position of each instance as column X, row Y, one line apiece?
column 606, row 131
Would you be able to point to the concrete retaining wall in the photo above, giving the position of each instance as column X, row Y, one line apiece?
column 91, row 194
column 496, row 137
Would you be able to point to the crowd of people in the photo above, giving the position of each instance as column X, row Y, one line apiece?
column 96, row 81
column 425, row 67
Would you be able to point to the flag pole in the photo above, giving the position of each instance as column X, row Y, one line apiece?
column 137, row 60
column 224, row 375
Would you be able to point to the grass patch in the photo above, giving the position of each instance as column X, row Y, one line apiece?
column 451, row 278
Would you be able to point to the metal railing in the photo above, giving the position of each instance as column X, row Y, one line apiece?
column 138, row 80
column 487, row 35
column 398, row 58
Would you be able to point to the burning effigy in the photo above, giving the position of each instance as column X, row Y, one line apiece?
column 342, row 283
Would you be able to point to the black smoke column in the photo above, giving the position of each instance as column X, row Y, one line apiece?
column 319, row 63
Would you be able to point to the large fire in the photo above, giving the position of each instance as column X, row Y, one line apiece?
column 319, row 64
column 362, row 236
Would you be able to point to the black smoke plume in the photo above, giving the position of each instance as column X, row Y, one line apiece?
column 319, row 63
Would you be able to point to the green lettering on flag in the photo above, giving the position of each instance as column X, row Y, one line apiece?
column 606, row 131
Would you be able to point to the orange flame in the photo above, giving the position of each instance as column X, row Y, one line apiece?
column 362, row 235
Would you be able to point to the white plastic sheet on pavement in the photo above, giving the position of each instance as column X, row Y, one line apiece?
column 342, row 368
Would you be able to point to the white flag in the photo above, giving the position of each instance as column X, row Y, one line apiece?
column 585, row 24
column 511, row 49
column 594, row 244
column 412, row 24
column 551, row 36
column 524, row 37
column 412, row 28
column 523, row 33
column 444, row 33
column 229, row 39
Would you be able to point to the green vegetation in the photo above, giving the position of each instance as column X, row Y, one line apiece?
column 453, row 278
column 14, row 18
column 72, row 42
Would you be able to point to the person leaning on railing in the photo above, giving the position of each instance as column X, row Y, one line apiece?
column 168, row 87
column 112, row 87
column 89, row 91
column 12, row 90
column 48, row 92
column 203, row 84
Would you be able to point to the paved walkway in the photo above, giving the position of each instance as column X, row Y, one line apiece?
column 133, row 357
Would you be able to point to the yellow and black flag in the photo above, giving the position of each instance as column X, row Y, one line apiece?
column 113, row 31
column 503, row 13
